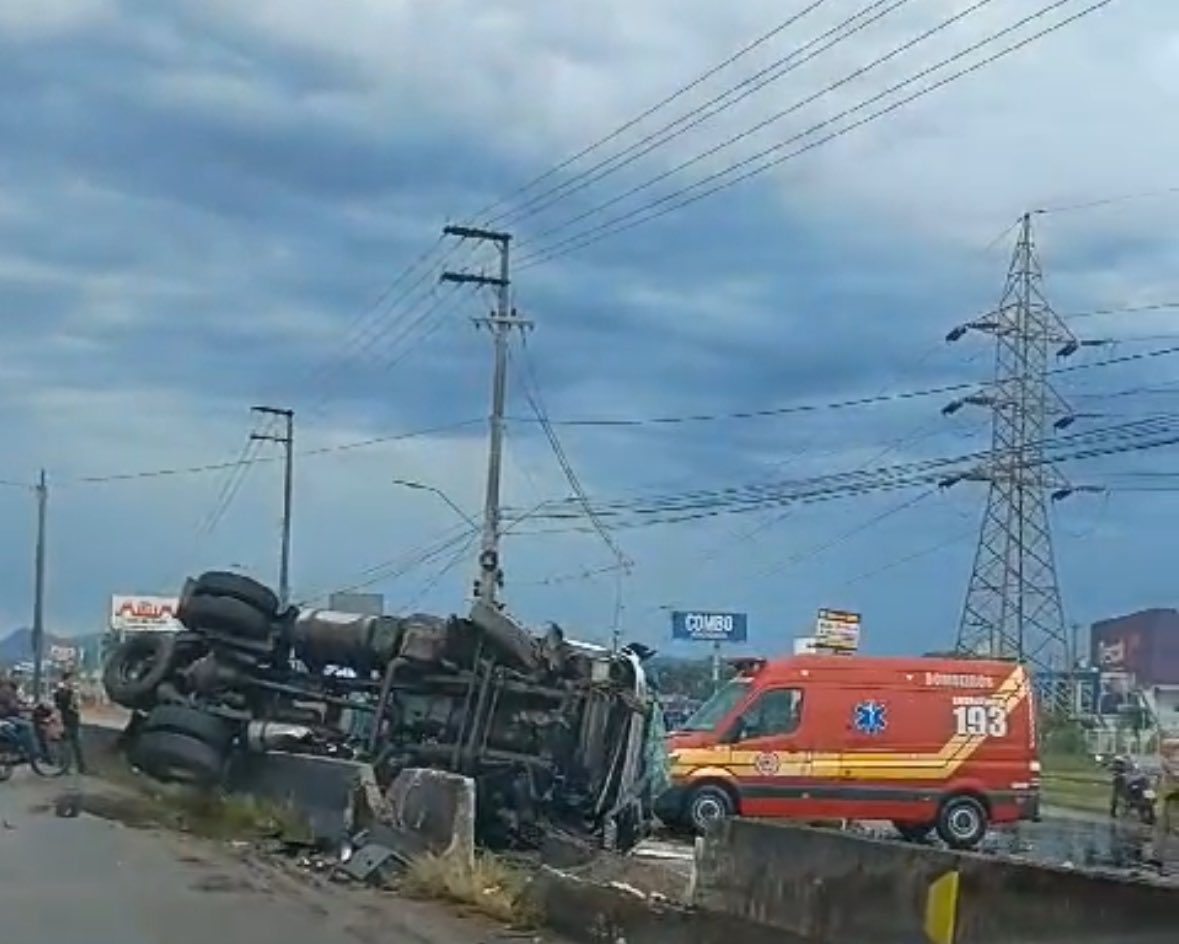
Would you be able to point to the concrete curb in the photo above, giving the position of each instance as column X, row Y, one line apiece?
column 595, row 913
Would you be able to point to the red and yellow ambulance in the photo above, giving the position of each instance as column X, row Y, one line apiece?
column 930, row 744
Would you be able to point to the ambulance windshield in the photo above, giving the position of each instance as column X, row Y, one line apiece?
column 717, row 708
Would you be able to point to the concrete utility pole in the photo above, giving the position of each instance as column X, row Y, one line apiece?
column 501, row 323
column 287, row 440
column 42, row 491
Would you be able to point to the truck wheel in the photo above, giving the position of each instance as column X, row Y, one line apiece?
column 223, row 583
column 192, row 722
column 709, row 803
column 227, row 615
column 178, row 758
column 914, row 832
column 137, row 667
column 962, row 822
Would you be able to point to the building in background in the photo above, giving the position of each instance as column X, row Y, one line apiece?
column 1137, row 656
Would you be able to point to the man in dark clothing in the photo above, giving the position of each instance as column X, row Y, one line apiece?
column 68, row 705
column 10, row 715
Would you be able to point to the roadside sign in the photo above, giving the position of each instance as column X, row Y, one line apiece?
column 709, row 626
column 805, row 646
column 143, row 614
column 837, row 630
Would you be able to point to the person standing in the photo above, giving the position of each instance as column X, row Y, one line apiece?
column 69, row 707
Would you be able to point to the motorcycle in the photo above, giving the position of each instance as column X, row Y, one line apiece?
column 1133, row 789
column 53, row 761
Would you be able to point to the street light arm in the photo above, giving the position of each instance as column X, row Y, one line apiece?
column 422, row 487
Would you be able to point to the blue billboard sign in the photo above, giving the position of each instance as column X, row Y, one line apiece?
column 708, row 626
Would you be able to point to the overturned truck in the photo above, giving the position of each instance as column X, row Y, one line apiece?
column 554, row 732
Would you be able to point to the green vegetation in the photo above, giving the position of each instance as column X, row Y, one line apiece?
column 1075, row 782
column 137, row 801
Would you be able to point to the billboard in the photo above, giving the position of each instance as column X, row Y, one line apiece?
column 143, row 614
column 709, row 626
column 837, row 630
column 64, row 655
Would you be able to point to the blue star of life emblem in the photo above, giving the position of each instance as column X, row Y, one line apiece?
column 871, row 717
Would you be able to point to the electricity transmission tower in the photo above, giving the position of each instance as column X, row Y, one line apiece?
column 1013, row 606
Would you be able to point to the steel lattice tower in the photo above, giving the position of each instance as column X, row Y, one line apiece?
column 1013, row 606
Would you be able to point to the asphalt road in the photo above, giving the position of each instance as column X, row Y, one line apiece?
column 85, row 880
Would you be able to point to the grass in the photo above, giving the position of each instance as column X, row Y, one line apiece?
column 492, row 887
column 216, row 815
column 211, row 814
column 1075, row 783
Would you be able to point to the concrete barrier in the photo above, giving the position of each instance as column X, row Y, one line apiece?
column 834, row 888
column 322, row 788
column 607, row 913
column 436, row 807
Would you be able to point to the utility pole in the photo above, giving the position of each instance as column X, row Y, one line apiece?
column 287, row 440
column 42, row 491
column 500, row 322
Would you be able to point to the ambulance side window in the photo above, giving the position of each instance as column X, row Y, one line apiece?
column 777, row 712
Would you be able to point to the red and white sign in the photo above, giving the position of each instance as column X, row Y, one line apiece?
column 144, row 614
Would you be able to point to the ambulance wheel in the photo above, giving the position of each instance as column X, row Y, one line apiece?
column 709, row 803
column 962, row 822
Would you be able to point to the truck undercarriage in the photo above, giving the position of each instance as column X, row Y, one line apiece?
column 554, row 732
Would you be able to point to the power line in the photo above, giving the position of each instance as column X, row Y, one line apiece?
column 694, row 118
column 647, row 113
column 1109, row 201
column 398, row 566
column 320, row 451
column 849, row 403
column 1114, row 440
column 714, row 183
column 532, row 392
column 779, row 115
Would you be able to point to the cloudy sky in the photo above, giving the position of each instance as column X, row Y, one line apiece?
column 207, row 205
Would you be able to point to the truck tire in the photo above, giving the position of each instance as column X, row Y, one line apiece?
column 223, row 583
column 137, row 666
column 191, row 722
column 227, row 615
column 706, row 804
column 962, row 822
column 178, row 758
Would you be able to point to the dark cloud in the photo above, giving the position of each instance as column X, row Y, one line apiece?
column 196, row 214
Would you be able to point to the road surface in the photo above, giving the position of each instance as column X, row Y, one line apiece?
column 87, row 880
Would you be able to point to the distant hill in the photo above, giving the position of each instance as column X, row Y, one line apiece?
column 17, row 646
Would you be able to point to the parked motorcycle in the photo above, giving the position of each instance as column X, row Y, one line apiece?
column 47, row 730
column 1133, row 790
